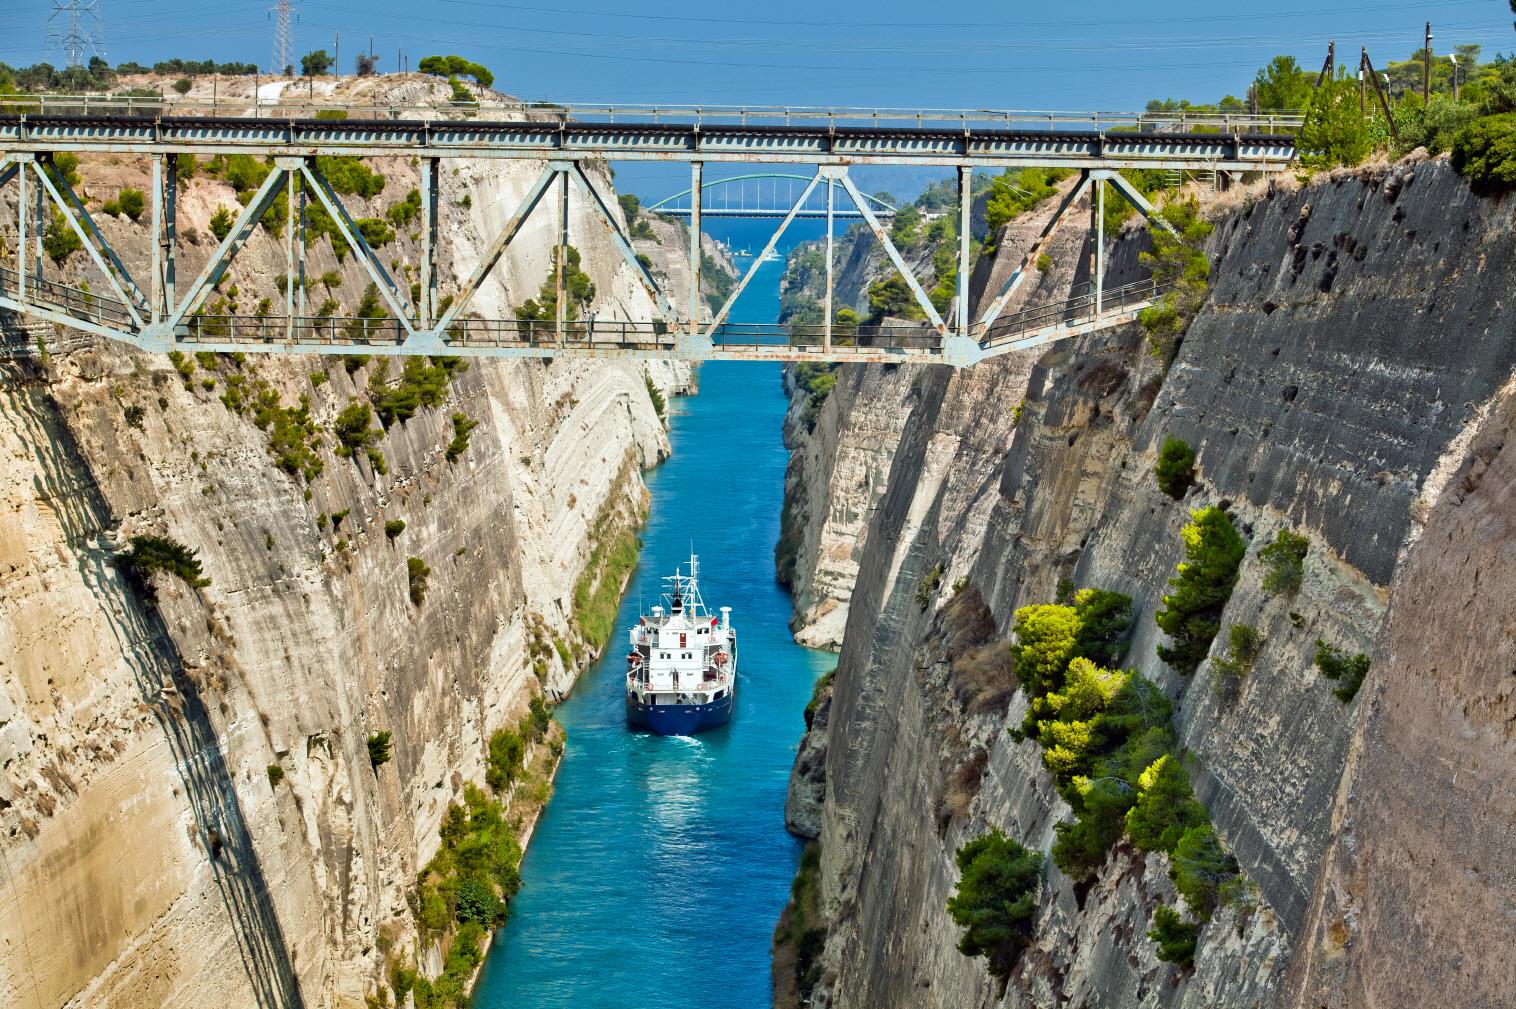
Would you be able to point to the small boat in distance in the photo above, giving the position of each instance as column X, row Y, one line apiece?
column 681, row 672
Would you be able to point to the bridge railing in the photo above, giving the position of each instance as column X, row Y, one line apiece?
column 71, row 301
column 811, row 338
column 590, row 334
column 293, row 105
column 1080, row 308
column 336, row 331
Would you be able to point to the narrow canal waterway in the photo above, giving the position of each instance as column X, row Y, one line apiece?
column 657, row 872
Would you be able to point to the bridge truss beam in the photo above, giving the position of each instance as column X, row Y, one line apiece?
column 557, row 139
column 159, row 316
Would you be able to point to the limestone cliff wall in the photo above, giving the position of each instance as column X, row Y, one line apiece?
column 149, row 860
column 1357, row 337
column 841, row 454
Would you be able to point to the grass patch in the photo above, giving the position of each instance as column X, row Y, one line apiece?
column 818, row 692
column 807, row 933
column 597, row 592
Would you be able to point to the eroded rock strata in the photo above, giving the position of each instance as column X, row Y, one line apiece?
column 154, row 855
column 1348, row 378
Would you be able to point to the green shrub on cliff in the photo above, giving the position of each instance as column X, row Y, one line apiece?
column 379, row 748
column 59, row 240
column 462, row 427
column 132, row 202
column 353, row 429
column 1166, row 806
column 1175, row 470
column 506, row 752
column 577, row 286
column 1048, row 637
column 817, row 381
column 477, row 901
column 1285, row 560
column 1484, row 152
column 1229, row 668
column 1178, row 259
column 893, row 298
column 807, row 928
column 1335, row 131
column 417, row 573
column 1176, row 938
column 422, row 382
column 1191, row 614
column 470, row 881
column 995, row 902
column 160, row 553
column 1348, row 670
column 1202, row 870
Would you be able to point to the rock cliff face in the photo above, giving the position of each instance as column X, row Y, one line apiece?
column 151, row 857
column 841, row 453
column 1344, row 380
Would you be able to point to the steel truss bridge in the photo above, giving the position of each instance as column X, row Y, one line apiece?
column 161, row 315
column 758, row 194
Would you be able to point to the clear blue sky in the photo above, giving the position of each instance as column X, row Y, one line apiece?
column 1096, row 54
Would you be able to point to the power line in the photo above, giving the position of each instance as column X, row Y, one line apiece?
column 74, row 29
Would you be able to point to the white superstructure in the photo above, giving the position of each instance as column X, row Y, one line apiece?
column 682, row 654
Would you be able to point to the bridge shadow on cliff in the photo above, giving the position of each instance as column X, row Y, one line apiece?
column 67, row 483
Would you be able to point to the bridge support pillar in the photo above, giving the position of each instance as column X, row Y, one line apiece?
column 426, row 312
column 560, row 256
column 1097, row 228
column 831, row 210
column 697, row 172
column 965, row 195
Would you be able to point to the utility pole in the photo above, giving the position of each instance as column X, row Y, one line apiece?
column 1367, row 65
column 1454, row 58
column 337, row 54
column 1426, row 68
column 1329, row 67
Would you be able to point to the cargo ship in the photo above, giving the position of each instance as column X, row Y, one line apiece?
column 681, row 672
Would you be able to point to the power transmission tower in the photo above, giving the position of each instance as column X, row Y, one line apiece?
column 284, row 36
column 74, row 29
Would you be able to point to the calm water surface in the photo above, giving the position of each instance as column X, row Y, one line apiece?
column 661, row 864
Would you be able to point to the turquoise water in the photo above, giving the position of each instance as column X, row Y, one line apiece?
column 658, row 870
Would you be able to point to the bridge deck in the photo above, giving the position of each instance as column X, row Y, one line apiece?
column 542, row 138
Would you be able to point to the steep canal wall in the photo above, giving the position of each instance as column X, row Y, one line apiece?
column 193, row 810
column 1348, row 378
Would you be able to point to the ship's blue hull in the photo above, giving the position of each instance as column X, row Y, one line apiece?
column 679, row 719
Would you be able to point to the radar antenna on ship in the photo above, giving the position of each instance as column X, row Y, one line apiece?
column 684, row 590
